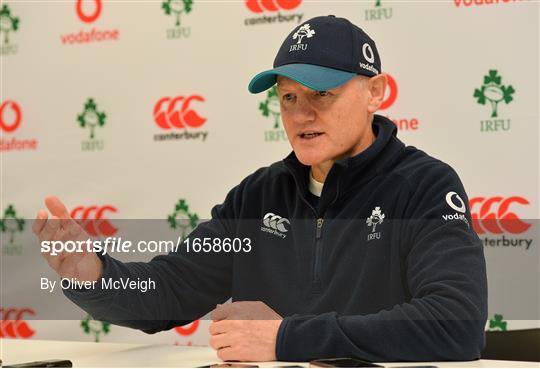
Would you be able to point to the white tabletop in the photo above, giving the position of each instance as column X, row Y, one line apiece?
column 89, row 354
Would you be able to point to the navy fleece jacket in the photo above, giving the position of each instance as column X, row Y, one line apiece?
column 386, row 267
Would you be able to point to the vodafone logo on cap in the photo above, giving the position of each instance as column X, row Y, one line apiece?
column 88, row 10
column 92, row 219
column 494, row 214
column 259, row 6
column 13, row 325
column 10, row 116
column 176, row 112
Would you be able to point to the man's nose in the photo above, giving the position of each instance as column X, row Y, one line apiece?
column 304, row 112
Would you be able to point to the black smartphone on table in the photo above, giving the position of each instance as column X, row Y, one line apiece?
column 343, row 362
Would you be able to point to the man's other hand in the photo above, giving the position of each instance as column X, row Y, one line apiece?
column 245, row 331
column 85, row 266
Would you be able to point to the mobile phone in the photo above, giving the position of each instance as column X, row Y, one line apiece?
column 229, row 365
column 43, row 364
column 342, row 362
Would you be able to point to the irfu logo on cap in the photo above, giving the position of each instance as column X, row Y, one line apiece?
column 303, row 31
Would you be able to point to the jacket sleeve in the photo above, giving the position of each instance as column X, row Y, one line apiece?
column 446, row 277
column 187, row 284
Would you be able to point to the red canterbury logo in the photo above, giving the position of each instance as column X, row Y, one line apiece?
column 494, row 215
column 88, row 17
column 187, row 330
column 392, row 95
column 10, row 116
column 12, row 324
column 176, row 112
column 259, row 6
column 92, row 220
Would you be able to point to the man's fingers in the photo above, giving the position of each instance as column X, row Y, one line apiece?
column 227, row 353
column 219, row 341
column 222, row 326
column 39, row 223
column 222, row 312
column 50, row 229
column 57, row 207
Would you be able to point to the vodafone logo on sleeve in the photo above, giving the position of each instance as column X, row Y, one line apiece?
column 181, row 114
column 273, row 8
column 92, row 219
column 13, row 325
column 495, row 219
column 11, row 118
column 391, row 95
column 456, row 203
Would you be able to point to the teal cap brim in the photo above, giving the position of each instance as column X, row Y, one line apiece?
column 312, row 76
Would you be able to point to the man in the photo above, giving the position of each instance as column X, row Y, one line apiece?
column 353, row 252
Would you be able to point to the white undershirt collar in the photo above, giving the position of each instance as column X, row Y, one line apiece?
column 314, row 186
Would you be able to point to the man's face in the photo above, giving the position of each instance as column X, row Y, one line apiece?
column 325, row 126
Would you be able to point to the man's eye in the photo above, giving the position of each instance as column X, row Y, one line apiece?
column 322, row 93
column 288, row 97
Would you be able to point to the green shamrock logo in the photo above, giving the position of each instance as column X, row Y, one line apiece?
column 270, row 106
column 177, row 7
column 91, row 117
column 493, row 91
column 182, row 218
column 8, row 23
column 11, row 224
column 95, row 327
column 497, row 323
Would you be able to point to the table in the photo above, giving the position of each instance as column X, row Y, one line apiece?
column 90, row 354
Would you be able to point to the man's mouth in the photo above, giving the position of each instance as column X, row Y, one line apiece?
column 310, row 135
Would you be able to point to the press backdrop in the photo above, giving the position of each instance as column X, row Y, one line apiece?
column 125, row 108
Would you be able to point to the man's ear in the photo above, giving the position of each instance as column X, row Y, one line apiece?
column 377, row 88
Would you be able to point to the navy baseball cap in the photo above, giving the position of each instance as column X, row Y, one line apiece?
column 322, row 53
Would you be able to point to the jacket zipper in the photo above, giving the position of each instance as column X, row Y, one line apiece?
column 318, row 253
column 317, row 265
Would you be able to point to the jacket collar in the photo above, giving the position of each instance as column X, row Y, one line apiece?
column 347, row 171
